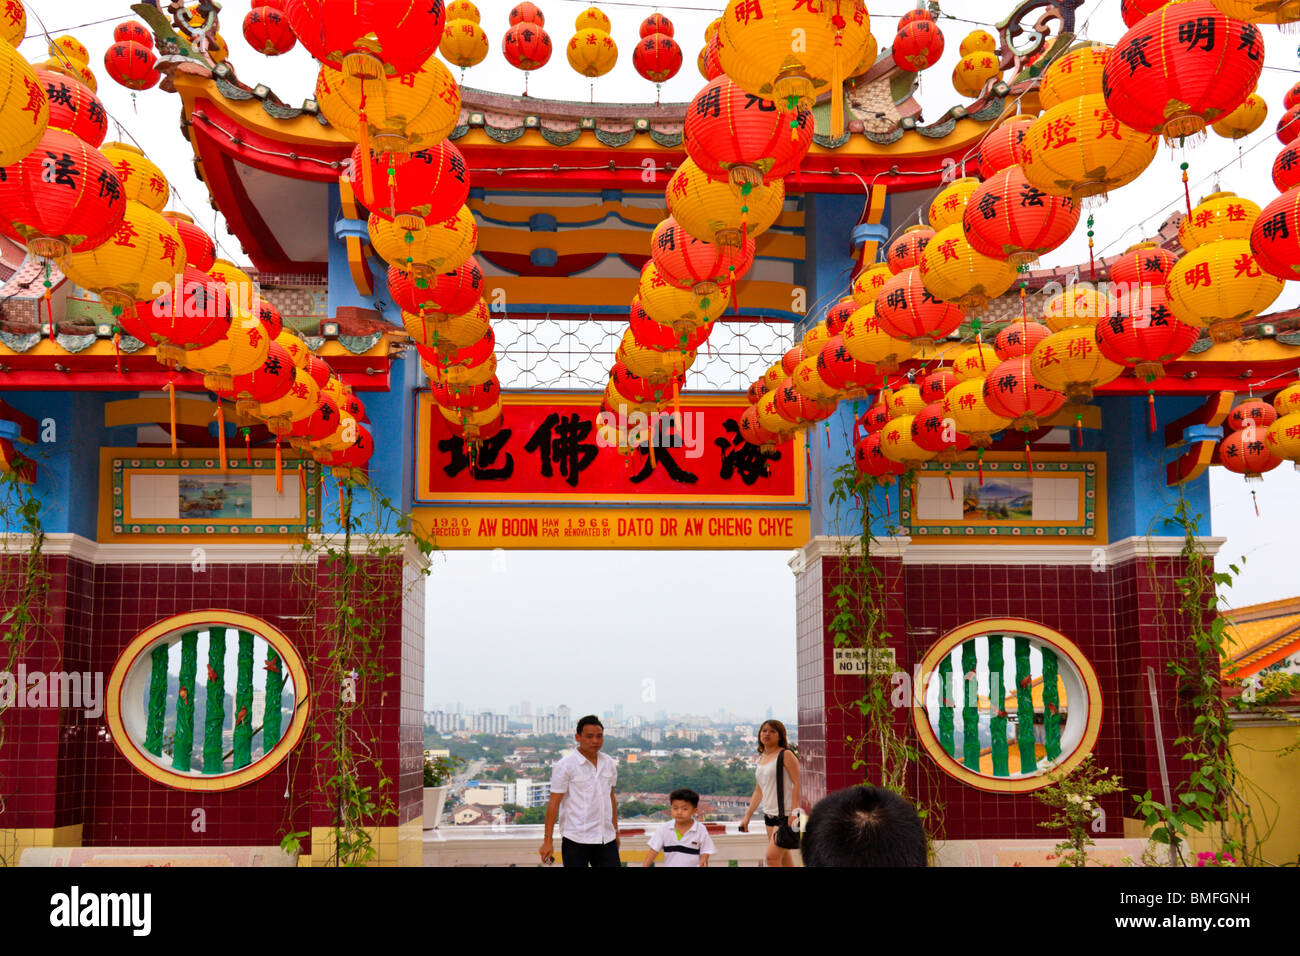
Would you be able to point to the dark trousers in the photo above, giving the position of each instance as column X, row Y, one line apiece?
column 589, row 854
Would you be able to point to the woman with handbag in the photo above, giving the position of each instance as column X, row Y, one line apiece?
column 777, row 782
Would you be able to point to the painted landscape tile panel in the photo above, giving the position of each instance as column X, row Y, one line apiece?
column 214, row 497
column 998, row 499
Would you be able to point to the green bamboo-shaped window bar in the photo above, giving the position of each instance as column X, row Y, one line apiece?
column 214, row 702
column 274, row 690
column 1025, row 708
column 970, row 712
column 997, row 707
column 945, row 706
column 157, row 710
column 1051, row 706
column 244, row 702
column 183, row 744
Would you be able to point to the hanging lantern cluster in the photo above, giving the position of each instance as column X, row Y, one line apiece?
column 1247, row 448
column 131, row 60
column 526, row 45
column 592, row 51
column 268, row 31
column 464, row 41
column 657, row 56
column 1284, row 433
column 918, row 45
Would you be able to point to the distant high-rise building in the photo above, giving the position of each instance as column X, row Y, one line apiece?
column 564, row 714
column 618, row 713
column 525, row 709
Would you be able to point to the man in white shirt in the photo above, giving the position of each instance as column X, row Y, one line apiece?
column 582, row 790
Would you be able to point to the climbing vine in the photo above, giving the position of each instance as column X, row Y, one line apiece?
column 24, row 581
column 1215, row 796
column 357, row 589
column 862, row 596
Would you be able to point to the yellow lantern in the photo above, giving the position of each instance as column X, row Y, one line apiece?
column 681, row 309
column 953, row 271
column 13, row 22
column 814, row 339
column 242, row 351
column 964, row 404
column 792, row 50
column 898, row 442
column 651, row 364
column 146, row 252
column 976, row 361
column 1221, row 215
column 1276, row 12
column 905, row 401
column 1070, row 361
column 24, row 108
column 471, row 420
column 298, row 403
column 1077, row 73
column 141, row 179
column 712, row 29
column 711, row 211
column 978, row 41
column 437, row 248
column 71, row 48
column 464, row 43
column 972, row 73
column 592, row 52
column 771, row 420
column 870, row 53
column 773, row 377
column 239, row 285
column 867, row 341
column 1078, row 149
column 809, row 383
column 619, row 403
column 448, row 333
column 1287, row 401
column 950, row 205
column 461, row 10
column 341, row 438
column 1245, row 119
column 592, row 19
column 401, row 113
column 458, row 374
column 1077, row 306
column 299, row 354
column 1284, row 438
column 869, row 282
column 1219, row 284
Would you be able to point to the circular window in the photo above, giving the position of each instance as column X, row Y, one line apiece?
column 210, row 700
column 1006, row 702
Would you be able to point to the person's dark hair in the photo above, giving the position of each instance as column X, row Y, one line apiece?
column 779, row 727
column 863, row 826
column 685, row 793
column 589, row 719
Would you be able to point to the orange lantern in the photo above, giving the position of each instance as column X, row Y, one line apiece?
column 1079, row 305
column 702, row 267
column 1010, row 218
column 439, row 247
column 1181, row 68
column 1244, row 120
column 394, row 114
column 1005, row 146
column 953, row 271
column 141, row 179
column 680, row 308
column 1076, row 73
column 918, row 45
column 972, row 74
column 1247, row 456
column 975, row 361
column 24, row 106
column 905, row 251
column 1275, row 237
column 592, row 52
column 464, row 43
column 898, row 443
column 906, row 310
column 1283, row 439
column 1079, row 149
column 1144, row 335
column 1070, row 361
column 868, row 283
column 712, row 212
column 733, row 135
column 1011, row 391
column 366, row 39
column 1221, row 215
column 949, row 206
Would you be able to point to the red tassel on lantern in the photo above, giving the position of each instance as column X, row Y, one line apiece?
column 171, row 394
column 279, row 468
column 1151, row 408
column 221, row 435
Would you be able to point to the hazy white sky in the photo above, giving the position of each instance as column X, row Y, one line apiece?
column 710, row 629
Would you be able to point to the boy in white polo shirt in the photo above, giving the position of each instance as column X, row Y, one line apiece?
column 683, row 840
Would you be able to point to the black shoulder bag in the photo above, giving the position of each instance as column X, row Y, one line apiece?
column 786, row 838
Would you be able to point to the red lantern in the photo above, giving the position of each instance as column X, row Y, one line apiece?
column 713, row 58
column 1007, row 218
column 1141, row 265
column 1005, row 146
column 755, row 433
column 269, row 316
column 268, row 383
column 1144, row 334
column 473, row 433
column 1019, row 338
column 656, row 23
column 451, row 293
column 791, row 359
column 526, row 46
column 905, row 251
column 1286, row 169
column 62, row 197
column 907, row 311
column 1252, row 414
column 871, row 460
column 1275, row 238
column 840, row 313
column 193, row 316
column 936, row 385
column 918, row 45
column 132, row 65
column 1288, row 127
column 472, row 397
column 320, row 424
column 657, row 57
column 731, row 134
column 1010, row 391
column 663, row 338
column 914, row 16
column 841, row 371
column 1247, row 456
column 200, row 250
column 527, row 13
column 642, row 390
column 368, row 38
column 690, row 263
column 1181, row 68
column 73, row 107
column 1134, row 10
column 1292, row 97
column 132, row 31
column 794, row 407
column 934, row 431
column 267, row 31
column 429, row 185
column 874, row 418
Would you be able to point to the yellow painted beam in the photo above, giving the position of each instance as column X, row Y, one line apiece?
column 564, row 292
column 646, row 216
column 149, row 411
column 612, row 241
